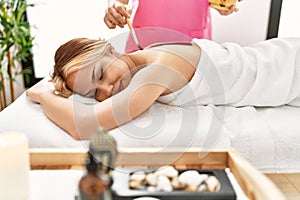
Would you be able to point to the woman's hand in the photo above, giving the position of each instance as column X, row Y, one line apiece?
column 35, row 93
column 116, row 15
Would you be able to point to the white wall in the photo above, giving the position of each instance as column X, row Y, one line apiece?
column 57, row 21
column 247, row 26
column 289, row 19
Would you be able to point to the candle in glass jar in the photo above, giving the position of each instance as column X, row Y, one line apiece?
column 14, row 166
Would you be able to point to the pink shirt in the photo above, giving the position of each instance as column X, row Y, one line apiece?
column 177, row 20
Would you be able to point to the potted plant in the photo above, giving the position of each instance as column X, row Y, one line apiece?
column 16, row 42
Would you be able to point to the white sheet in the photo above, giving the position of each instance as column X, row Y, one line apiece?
column 263, row 74
column 267, row 137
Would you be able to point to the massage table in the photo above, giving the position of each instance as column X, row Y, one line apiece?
column 268, row 137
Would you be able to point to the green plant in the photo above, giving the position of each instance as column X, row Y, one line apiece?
column 16, row 42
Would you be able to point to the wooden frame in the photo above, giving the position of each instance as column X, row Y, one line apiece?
column 254, row 184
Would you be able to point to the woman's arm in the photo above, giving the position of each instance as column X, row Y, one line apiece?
column 58, row 109
column 144, row 89
column 81, row 120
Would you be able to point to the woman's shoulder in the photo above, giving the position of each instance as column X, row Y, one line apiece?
column 189, row 52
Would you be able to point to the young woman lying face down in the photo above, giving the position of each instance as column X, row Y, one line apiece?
column 92, row 68
column 199, row 73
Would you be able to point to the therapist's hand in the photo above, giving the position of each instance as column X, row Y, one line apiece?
column 231, row 10
column 35, row 93
column 116, row 15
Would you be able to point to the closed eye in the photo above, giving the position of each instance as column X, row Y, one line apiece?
column 101, row 74
column 100, row 77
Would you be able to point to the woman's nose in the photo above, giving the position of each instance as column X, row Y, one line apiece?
column 105, row 89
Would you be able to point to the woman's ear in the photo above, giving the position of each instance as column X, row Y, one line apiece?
column 113, row 51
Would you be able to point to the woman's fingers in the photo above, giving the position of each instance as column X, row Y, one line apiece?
column 35, row 92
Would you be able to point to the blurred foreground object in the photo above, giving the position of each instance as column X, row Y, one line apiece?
column 95, row 185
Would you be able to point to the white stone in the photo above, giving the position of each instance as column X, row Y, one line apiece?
column 191, row 178
column 212, row 184
column 164, row 184
column 151, row 179
column 152, row 189
column 168, row 171
column 202, row 188
column 177, row 185
column 138, row 176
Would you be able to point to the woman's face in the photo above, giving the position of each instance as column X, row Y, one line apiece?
column 100, row 82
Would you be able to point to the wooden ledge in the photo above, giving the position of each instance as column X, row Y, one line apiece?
column 255, row 185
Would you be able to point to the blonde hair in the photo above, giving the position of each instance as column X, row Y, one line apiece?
column 74, row 55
